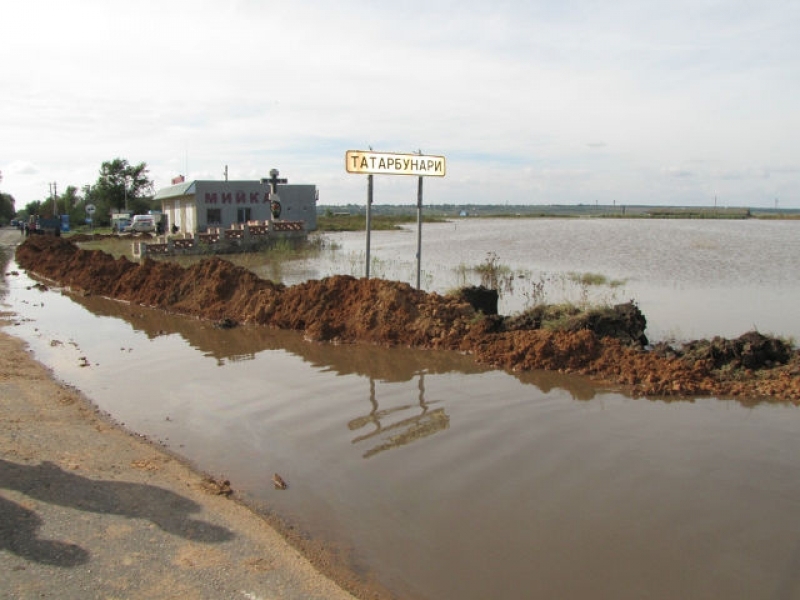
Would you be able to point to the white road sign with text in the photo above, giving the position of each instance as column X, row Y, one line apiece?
column 387, row 163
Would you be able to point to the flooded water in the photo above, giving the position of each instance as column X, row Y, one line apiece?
column 446, row 479
column 692, row 278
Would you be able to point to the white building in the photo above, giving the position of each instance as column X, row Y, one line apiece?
column 194, row 206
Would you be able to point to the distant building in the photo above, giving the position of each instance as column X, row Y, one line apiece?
column 194, row 206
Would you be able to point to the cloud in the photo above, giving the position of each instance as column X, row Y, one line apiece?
column 19, row 167
column 495, row 88
column 678, row 172
column 781, row 170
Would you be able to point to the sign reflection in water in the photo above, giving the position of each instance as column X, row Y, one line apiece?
column 425, row 423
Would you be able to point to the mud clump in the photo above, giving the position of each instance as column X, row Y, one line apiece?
column 480, row 298
column 624, row 322
column 606, row 344
column 749, row 351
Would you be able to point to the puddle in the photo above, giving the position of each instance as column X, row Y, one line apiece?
column 443, row 478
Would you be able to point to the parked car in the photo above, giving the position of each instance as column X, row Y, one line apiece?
column 120, row 223
column 142, row 223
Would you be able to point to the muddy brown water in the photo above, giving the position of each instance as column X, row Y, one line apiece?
column 442, row 478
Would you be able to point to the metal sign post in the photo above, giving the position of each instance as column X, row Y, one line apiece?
column 90, row 210
column 387, row 163
column 368, row 224
column 419, row 229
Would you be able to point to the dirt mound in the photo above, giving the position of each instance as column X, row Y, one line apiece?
column 624, row 322
column 606, row 344
column 480, row 298
column 749, row 351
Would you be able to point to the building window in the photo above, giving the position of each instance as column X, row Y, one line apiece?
column 214, row 216
column 242, row 215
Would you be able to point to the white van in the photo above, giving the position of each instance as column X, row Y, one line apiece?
column 143, row 223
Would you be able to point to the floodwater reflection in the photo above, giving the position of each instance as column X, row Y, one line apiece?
column 397, row 364
column 376, row 363
column 425, row 423
column 579, row 388
column 5, row 259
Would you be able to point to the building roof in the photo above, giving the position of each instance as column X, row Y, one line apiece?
column 173, row 191
column 189, row 188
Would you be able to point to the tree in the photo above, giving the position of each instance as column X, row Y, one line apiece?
column 7, row 211
column 120, row 185
column 34, row 208
column 70, row 203
column 68, row 200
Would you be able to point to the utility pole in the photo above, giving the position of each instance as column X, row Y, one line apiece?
column 125, row 187
column 54, row 195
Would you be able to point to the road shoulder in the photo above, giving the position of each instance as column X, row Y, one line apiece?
column 90, row 510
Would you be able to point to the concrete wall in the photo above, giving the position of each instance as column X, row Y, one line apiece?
column 299, row 203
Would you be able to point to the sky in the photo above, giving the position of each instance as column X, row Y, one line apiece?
column 687, row 102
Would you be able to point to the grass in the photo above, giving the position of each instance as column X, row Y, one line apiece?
column 590, row 288
column 115, row 246
column 492, row 274
column 559, row 317
column 700, row 213
column 358, row 222
column 271, row 256
column 596, row 279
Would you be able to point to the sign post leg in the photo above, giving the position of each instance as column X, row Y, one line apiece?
column 368, row 224
column 419, row 229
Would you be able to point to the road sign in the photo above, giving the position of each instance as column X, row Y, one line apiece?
column 90, row 208
column 387, row 163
